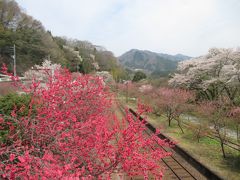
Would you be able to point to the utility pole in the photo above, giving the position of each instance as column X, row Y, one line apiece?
column 14, row 60
column 77, row 67
column 127, row 92
column 126, row 83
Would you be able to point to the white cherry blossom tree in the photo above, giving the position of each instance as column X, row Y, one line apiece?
column 212, row 75
column 40, row 72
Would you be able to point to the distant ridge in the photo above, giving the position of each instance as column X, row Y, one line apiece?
column 151, row 62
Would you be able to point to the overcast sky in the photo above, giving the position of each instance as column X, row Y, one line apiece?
column 189, row 27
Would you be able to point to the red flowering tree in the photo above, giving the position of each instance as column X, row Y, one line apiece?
column 70, row 132
column 173, row 102
column 128, row 89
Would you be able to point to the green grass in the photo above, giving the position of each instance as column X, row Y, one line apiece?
column 208, row 141
column 207, row 151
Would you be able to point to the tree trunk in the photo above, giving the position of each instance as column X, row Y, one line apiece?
column 179, row 125
column 198, row 135
column 222, row 147
column 231, row 94
column 237, row 132
column 221, row 140
column 169, row 115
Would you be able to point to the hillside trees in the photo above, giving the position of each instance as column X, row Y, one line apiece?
column 34, row 44
column 9, row 12
column 93, row 58
column 212, row 76
column 29, row 36
column 73, row 134
column 106, row 60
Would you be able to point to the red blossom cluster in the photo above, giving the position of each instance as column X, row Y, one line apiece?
column 71, row 133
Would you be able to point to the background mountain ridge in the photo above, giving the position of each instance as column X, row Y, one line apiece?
column 151, row 62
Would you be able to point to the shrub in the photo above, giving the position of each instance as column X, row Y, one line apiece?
column 14, row 101
column 9, row 104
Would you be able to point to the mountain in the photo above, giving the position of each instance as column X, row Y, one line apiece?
column 151, row 62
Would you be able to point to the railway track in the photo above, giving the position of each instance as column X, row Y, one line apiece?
column 176, row 166
column 177, row 170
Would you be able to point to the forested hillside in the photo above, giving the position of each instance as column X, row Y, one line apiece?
column 34, row 44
